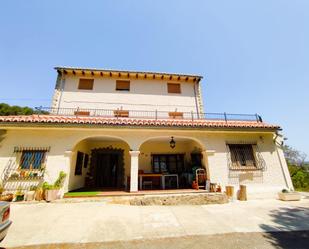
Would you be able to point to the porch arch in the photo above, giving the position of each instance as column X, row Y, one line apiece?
column 96, row 156
column 189, row 153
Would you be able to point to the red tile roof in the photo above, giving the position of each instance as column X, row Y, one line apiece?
column 110, row 121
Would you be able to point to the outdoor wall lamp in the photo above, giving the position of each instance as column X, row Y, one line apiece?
column 172, row 143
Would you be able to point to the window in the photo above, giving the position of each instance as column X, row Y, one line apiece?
column 32, row 159
column 85, row 84
column 242, row 156
column 79, row 163
column 122, row 85
column 173, row 88
column 171, row 163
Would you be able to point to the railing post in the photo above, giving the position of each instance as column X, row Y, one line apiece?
column 77, row 110
column 225, row 117
column 192, row 117
column 156, row 114
column 257, row 117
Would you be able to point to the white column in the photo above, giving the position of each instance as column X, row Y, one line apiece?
column 134, row 171
column 67, row 169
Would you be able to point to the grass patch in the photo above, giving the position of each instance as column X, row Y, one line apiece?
column 84, row 193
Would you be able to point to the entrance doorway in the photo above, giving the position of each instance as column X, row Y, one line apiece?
column 107, row 168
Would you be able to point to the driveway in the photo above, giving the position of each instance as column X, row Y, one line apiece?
column 88, row 222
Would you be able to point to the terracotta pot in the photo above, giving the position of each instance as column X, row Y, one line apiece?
column 7, row 197
column 38, row 195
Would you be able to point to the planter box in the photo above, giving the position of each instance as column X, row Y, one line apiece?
column 51, row 195
column 30, row 196
column 290, row 196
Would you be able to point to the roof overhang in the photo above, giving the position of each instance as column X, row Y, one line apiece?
column 110, row 73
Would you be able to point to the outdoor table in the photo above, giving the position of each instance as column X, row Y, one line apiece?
column 140, row 176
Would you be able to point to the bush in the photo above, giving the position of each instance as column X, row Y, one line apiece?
column 300, row 177
column 57, row 184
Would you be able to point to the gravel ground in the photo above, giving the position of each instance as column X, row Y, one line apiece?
column 271, row 240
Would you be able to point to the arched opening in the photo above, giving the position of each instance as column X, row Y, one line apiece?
column 174, row 165
column 99, row 163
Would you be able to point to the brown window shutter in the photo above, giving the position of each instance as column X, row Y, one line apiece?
column 85, row 84
column 122, row 85
column 173, row 88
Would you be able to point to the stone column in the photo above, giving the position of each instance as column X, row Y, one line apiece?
column 134, row 171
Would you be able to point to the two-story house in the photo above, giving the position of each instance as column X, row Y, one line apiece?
column 111, row 129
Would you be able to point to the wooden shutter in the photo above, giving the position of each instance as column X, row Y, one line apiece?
column 122, row 85
column 173, row 88
column 85, row 84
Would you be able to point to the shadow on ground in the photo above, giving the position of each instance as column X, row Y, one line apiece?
column 288, row 219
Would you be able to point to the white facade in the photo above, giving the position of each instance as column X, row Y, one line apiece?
column 145, row 94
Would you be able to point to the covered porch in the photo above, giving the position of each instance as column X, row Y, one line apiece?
column 106, row 165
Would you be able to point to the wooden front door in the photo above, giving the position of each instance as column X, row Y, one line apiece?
column 107, row 168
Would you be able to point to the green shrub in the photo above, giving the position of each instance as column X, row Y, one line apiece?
column 300, row 177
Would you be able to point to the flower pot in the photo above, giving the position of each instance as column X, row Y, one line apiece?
column 7, row 197
column 51, row 194
column 289, row 196
column 19, row 197
column 38, row 195
column 30, row 196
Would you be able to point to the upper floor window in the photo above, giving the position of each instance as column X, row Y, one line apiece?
column 242, row 155
column 173, row 88
column 122, row 85
column 85, row 84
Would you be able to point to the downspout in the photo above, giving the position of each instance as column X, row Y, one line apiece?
column 62, row 81
column 287, row 182
column 196, row 101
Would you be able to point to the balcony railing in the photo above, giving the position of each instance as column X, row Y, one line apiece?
column 155, row 114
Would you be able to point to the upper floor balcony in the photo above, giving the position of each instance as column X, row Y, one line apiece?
column 142, row 114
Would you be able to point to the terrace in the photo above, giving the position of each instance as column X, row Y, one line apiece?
column 146, row 114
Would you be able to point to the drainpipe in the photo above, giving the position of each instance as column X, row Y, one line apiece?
column 62, row 81
column 196, row 101
column 286, row 174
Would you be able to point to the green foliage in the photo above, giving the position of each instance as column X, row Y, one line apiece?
column 57, row 184
column 6, row 110
column 60, row 180
column 300, row 177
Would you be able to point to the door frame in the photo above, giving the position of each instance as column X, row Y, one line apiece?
column 108, row 150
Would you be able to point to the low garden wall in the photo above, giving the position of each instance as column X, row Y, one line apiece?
column 193, row 199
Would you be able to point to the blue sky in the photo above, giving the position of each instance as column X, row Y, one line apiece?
column 254, row 55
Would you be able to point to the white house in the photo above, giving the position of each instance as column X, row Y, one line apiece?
column 111, row 129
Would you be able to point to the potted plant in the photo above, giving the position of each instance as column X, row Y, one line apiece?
column 7, row 197
column 38, row 196
column 51, row 190
column 286, row 195
column 19, row 194
column 31, row 193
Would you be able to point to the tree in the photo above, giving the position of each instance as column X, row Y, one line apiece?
column 6, row 110
column 293, row 156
